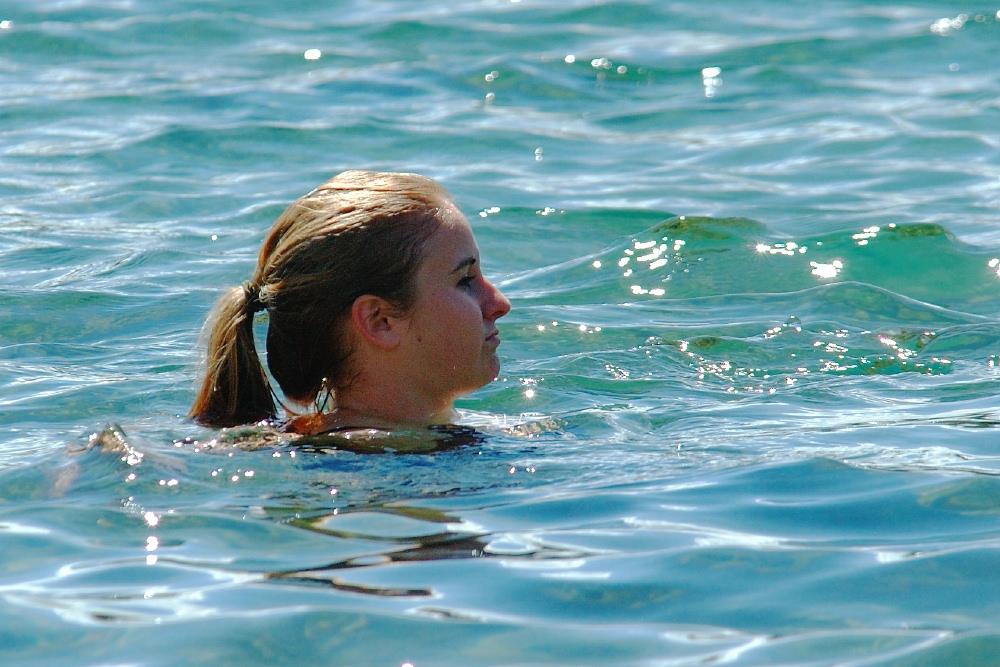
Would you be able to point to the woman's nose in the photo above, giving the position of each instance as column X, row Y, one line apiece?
column 495, row 304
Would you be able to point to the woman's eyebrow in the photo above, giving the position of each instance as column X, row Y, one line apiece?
column 465, row 263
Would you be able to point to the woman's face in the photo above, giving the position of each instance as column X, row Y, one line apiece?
column 452, row 338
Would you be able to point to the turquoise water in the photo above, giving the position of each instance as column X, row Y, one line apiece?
column 747, row 402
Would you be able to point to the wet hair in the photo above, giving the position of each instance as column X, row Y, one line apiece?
column 359, row 233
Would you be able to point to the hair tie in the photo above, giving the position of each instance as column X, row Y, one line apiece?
column 252, row 296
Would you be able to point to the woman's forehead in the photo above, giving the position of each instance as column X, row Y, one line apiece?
column 448, row 213
column 451, row 244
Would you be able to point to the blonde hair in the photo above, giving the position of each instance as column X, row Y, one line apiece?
column 359, row 233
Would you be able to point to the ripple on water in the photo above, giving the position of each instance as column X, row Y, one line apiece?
column 759, row 432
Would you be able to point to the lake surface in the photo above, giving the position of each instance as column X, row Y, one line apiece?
column 749, row 389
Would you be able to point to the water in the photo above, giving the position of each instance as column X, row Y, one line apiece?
column 771, row 443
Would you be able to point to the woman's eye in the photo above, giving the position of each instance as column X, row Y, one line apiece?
column 466, row 281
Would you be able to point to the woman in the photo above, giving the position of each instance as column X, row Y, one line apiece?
column 377, row 309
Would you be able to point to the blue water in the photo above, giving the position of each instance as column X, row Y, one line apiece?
column 749, row 382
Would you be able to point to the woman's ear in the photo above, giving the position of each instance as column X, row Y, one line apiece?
column 377, row 321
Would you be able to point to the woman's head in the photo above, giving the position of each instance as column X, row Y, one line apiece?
column 361, row 233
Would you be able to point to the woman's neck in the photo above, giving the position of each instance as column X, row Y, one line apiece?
column 359, row 415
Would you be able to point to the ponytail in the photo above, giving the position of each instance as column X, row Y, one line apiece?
column 235, row 389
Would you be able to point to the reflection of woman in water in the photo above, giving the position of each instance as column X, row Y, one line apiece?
column 377, row 309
